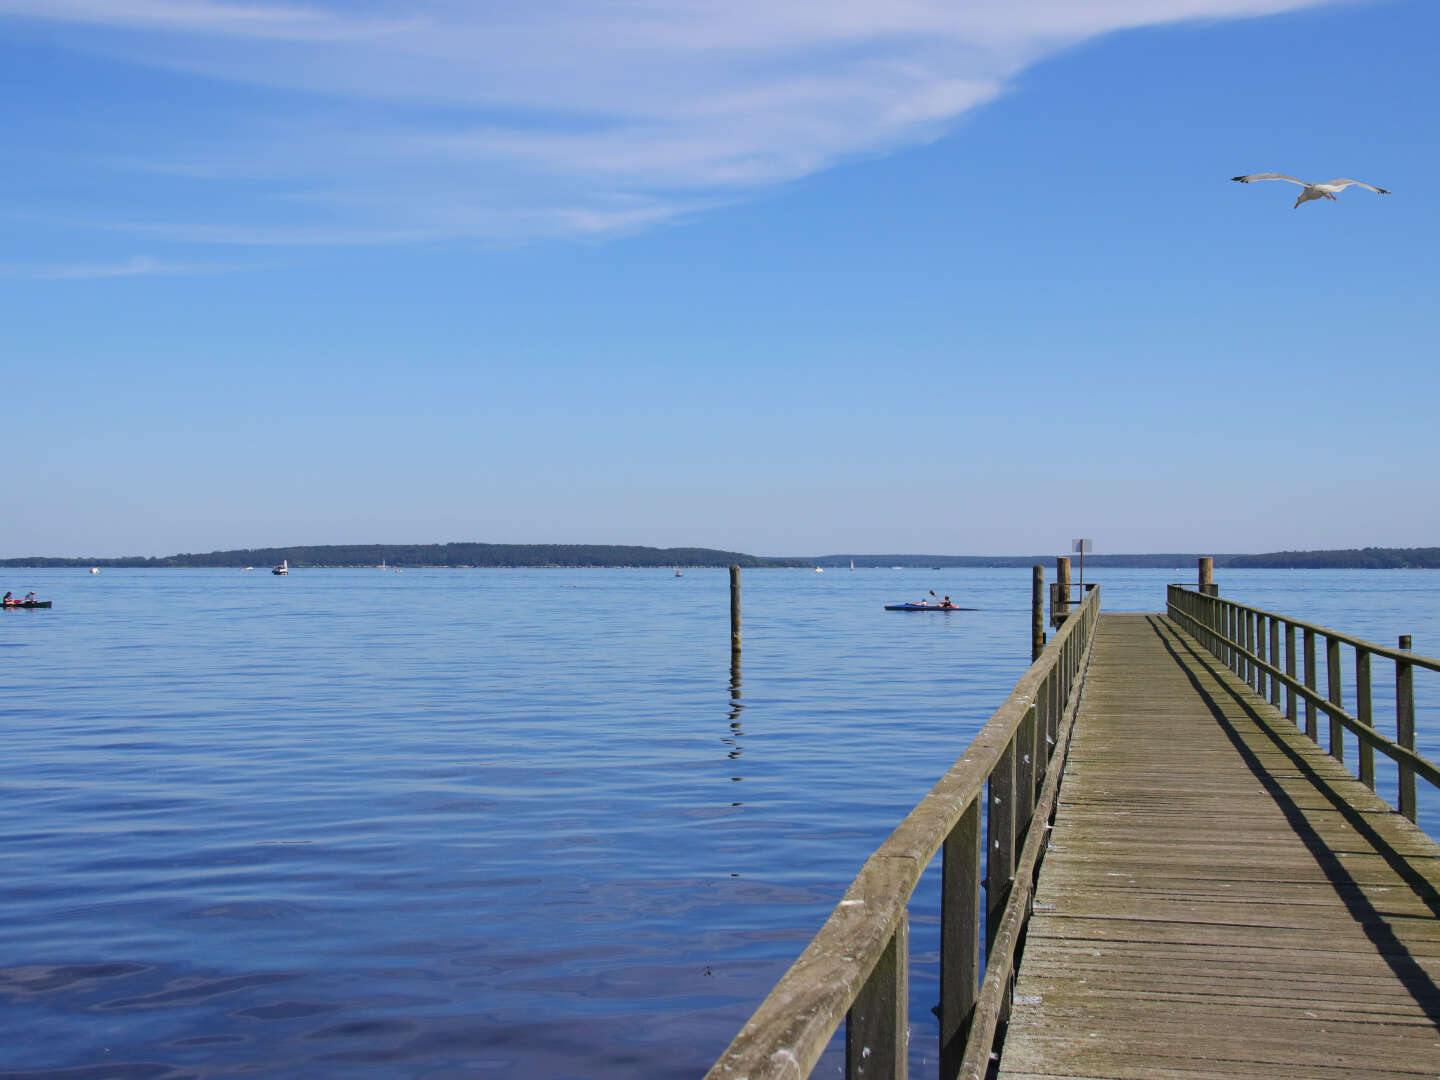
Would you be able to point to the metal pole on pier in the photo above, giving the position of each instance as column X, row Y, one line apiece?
column 1037, row 612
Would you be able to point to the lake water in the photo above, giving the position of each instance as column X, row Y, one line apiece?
column 522, row 823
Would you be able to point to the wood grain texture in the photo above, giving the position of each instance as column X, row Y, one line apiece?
column 1220, row 898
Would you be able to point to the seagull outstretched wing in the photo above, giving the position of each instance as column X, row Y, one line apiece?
column 1341, row 184
column 1271, row 176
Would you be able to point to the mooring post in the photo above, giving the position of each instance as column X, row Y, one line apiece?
column 1207, row 576
column 1037, row 612
column 734, row 611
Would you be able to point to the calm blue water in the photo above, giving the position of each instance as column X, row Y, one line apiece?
column 450, row 823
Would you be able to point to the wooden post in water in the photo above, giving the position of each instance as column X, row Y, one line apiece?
column 1207, row 577
column 1037, row 612
column 734, row 613
column 1061, row 607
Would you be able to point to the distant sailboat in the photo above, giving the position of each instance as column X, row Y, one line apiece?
column 852, row 564
column 283, row 568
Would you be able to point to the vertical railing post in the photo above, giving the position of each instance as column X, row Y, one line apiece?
column 1237, row 638
column 1000, row 831
column 1274, row 661
column 1043, row 725
column 1250, row 669
column 1332, row 672
column 1065, row 670
column 1364, row 715
column 1025, row 772
column 1291, row 712
column 1229, row 616
column 1260, row 655
column 1405, row 726
column 959, row 936
column 877, row 1027
column 1057, row 706
column 1311, row 727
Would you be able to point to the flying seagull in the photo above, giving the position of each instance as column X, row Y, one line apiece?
column 1326, row 190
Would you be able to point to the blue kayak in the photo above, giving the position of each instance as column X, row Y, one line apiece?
column 928, row 607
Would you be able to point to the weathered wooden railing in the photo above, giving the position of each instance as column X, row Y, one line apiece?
column 1249, row 641
column 856, row 968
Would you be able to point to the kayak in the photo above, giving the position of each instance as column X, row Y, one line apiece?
column 28, row 603
column 928, row 607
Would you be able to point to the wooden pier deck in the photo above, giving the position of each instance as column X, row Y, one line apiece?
column 1220, row 897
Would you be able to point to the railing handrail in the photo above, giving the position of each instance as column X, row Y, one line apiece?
column 1427, row 662
column 866, row 933
column 1230, row 629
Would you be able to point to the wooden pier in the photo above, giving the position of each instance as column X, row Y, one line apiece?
column 1191, row 888
column 1220, row 898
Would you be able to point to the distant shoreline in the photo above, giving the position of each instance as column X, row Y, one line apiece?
column 606, row 556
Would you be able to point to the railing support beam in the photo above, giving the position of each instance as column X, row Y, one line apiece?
column 876, row 1028
column 959, row 936
column 1405, row 727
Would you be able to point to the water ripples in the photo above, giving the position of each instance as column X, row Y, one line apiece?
column 457, row 823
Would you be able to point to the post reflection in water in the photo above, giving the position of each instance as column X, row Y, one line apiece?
column 736, row 705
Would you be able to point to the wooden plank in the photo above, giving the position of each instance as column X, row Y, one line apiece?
column 1220, row 897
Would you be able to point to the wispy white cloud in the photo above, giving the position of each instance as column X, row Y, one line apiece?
column 135, row 266
column 510, row 117
column 274, row 21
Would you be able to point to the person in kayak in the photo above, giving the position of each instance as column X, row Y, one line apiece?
column 9, row 597
column 30, row 597
column 946, row 602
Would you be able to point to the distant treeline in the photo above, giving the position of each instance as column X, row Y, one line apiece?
column 1349, row 559
column 597, row 555
column 436, row 555
column 946, row 562
column 1369, row 558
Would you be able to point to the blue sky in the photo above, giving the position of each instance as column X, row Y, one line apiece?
column 914, row 276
